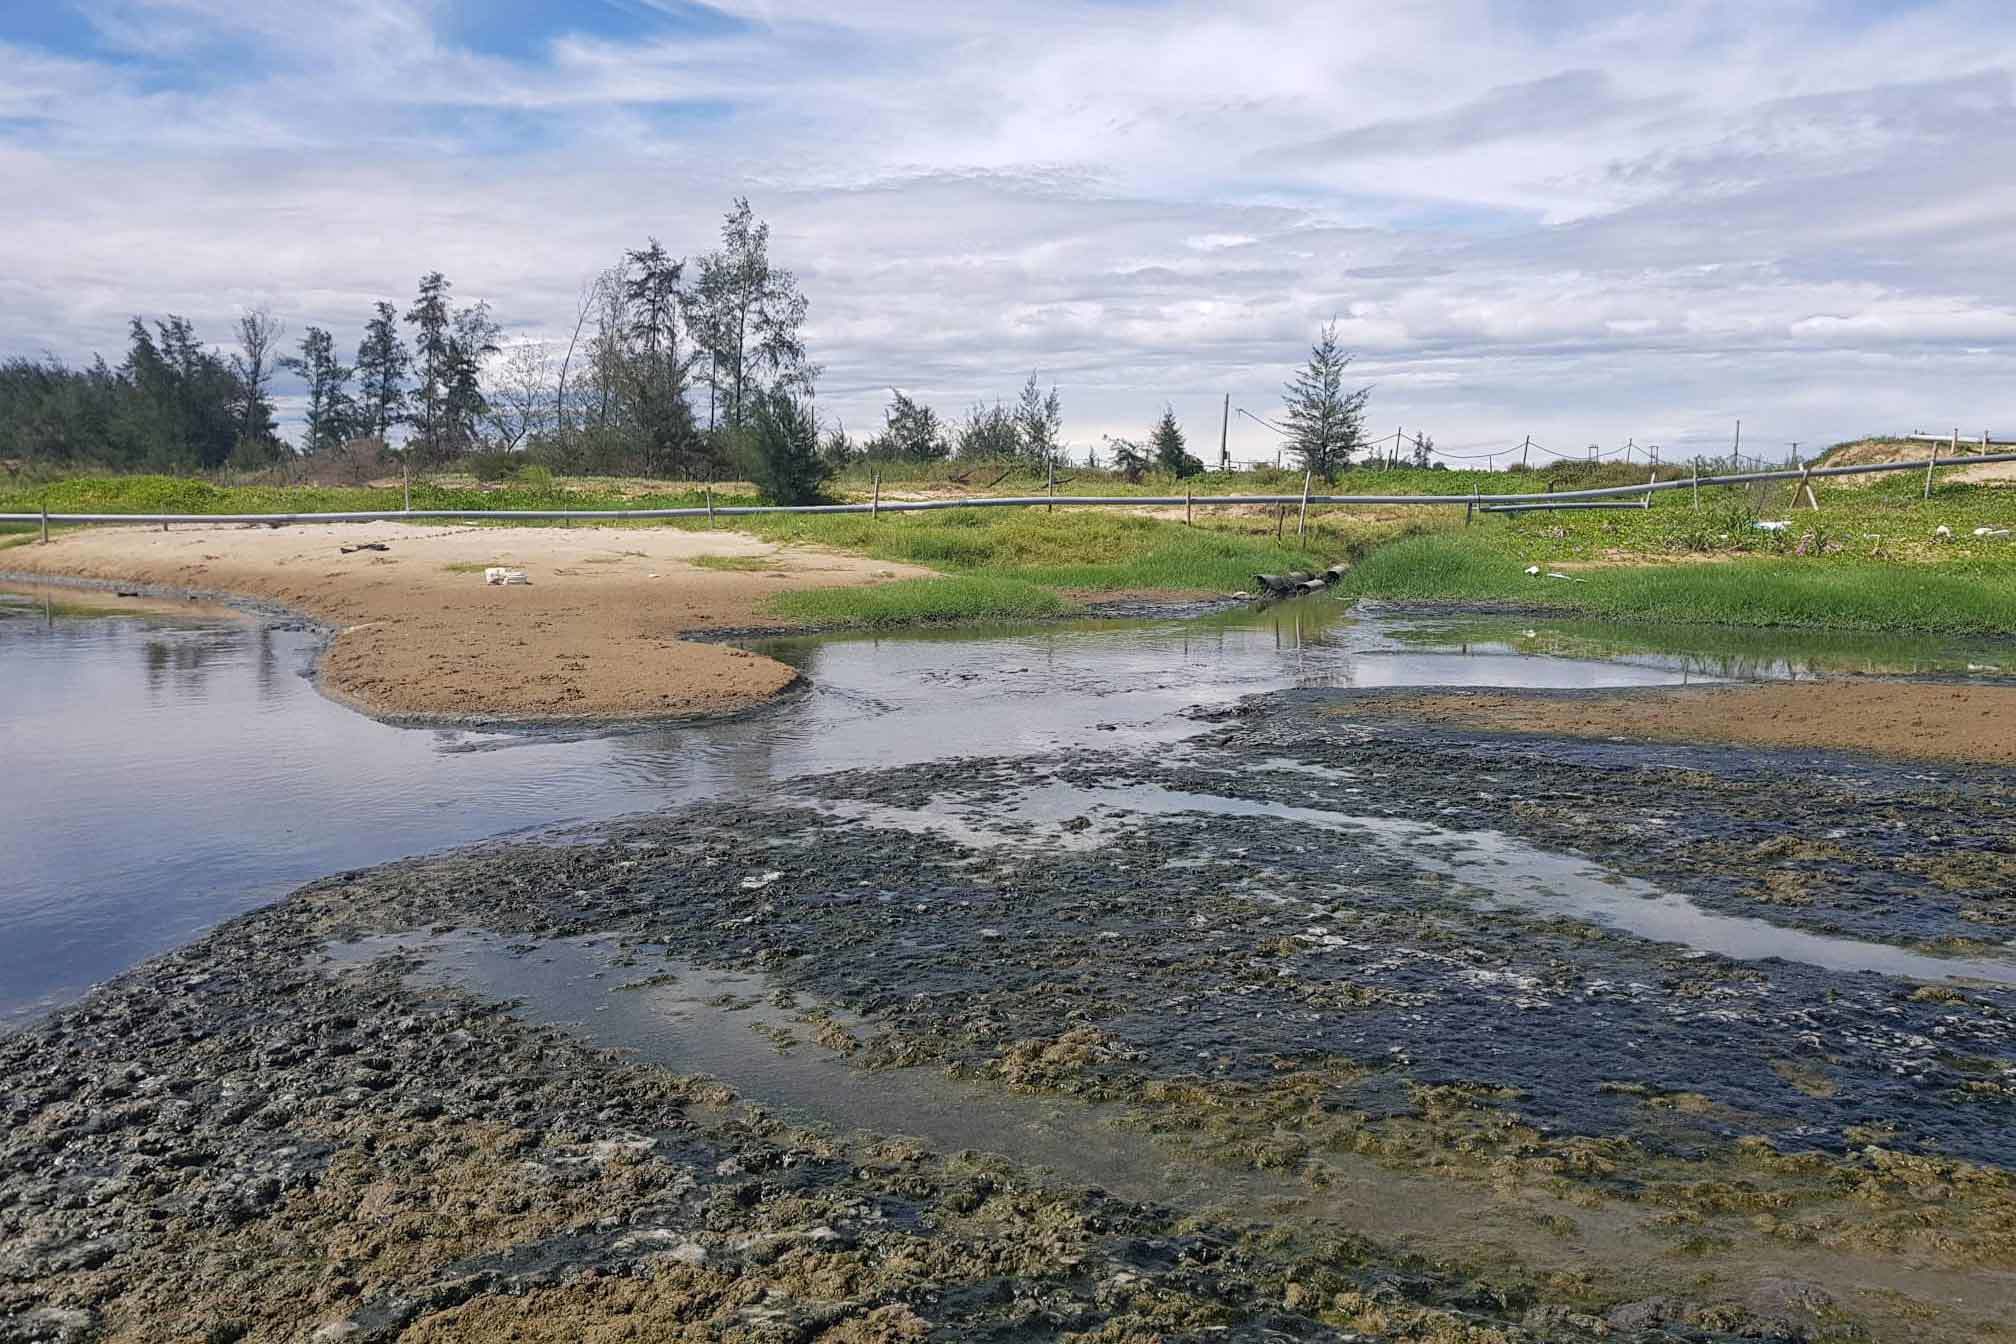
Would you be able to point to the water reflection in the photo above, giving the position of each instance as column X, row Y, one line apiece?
column 168, row 770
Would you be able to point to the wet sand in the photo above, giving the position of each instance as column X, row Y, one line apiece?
column 418, row 634
column 1940, row 721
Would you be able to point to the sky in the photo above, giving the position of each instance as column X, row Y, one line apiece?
column 1584, row 222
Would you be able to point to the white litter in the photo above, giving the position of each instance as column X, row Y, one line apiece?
column 1984, row 667
column 499, row 574
column 1991, row 531
column 1771, row 527
column 1942, row 532
column 1571, row 578
column 758, row 883
column 1534, row 570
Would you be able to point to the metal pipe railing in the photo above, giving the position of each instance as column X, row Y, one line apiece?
column 1010, row 501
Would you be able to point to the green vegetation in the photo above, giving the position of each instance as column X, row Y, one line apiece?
column 965, row 597
column 1867, row 559
column 741, row 564
column 1070, row 549
column 1973, row 597
column 182, row 494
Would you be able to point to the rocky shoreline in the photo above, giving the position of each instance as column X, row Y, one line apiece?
column 1282, row 952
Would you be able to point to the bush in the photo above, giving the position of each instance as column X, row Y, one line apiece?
column 783, row 451
column 491, row 467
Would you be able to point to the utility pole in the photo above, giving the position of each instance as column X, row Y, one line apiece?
column 1524, row 449
column 1795, row 453
column 1737, row 453
column 1224, row 437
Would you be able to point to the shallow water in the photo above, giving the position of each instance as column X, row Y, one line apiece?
column 1501, row 871
column 168, row 770
column 730, row 1026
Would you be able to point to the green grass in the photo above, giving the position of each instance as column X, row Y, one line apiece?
column 1069, row 550
column 964, row 597
column 1871, row 562
column 177, row 494
column 1480, row 567
column 739, row 564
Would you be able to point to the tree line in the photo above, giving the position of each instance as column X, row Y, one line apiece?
column 669, row 369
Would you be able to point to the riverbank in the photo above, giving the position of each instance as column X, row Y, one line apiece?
column 417, row 633
column 1404, row 1059
column 1949, row 721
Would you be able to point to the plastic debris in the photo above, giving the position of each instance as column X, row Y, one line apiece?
column 1533, row 570
column 1772, row 527
column 1942, row 532
column 758, row 883
column 499, row 574
column 1991, row 531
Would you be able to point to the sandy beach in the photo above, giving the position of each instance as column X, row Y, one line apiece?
column 595, row 634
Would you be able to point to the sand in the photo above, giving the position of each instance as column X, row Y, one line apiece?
column 420, row 635
column 1942, row 721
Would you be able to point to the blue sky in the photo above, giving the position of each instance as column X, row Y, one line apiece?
column 1587, row 222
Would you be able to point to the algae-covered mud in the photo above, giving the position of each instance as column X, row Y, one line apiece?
column 1280, row 1018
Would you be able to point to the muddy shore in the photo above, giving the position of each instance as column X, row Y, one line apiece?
column 1942, row 720
column 417, row 635
column 1384, row 965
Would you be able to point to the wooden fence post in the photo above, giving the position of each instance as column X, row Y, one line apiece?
column 45, row 522
column 1302, row 520
column 875, row 505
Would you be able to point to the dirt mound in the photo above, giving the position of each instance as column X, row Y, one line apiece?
column 1864, row 451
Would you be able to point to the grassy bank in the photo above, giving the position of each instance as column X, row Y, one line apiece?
column 1867, row 559
column 1007, row 563
column 180, row 494
column 1962, row 597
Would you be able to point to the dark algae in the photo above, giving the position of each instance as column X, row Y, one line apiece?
column 1425, row 1102
column 1285, row 1018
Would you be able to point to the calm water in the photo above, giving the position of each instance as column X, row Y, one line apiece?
column 167, row 770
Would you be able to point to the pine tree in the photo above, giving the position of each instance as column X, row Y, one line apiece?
column 1324, row 421
column 1424, row 450
column 745, row 315
column 259, row 334
column 1166, row 441
column 472, row 340
column 656, row 359
column 911, row 432
column 989, row 433
column 331, row 415
column 382, row 362
column 432, row 357
column 1039, row 418
column 786, row 462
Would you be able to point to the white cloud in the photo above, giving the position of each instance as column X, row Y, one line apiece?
column 1640, row 221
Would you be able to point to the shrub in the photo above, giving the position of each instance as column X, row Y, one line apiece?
column 783, row 452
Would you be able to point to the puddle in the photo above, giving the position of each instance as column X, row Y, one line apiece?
column 729, row 1026
column 1501, row 872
